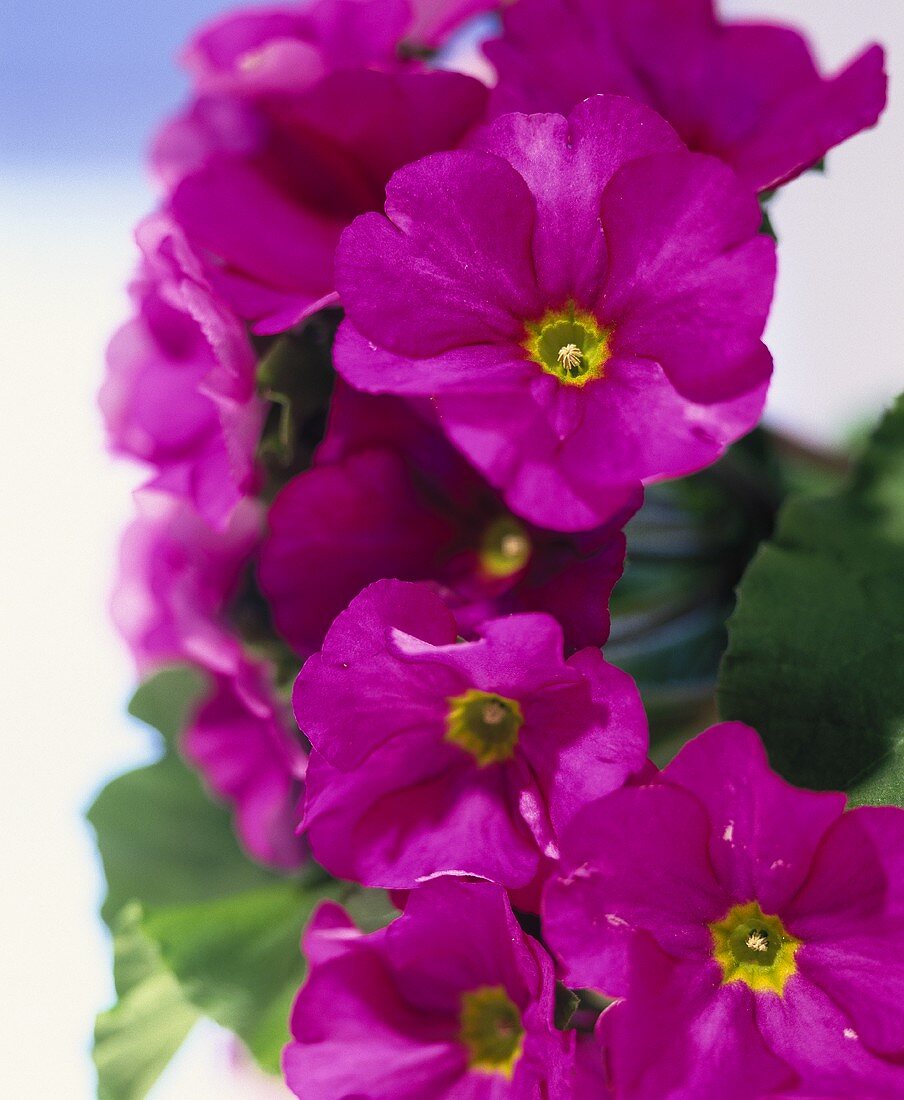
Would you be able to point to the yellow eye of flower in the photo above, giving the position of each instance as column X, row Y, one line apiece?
column 485, row 725
column 569, row 344
column 754, row 948
column 505, row 548
column 491, row 1030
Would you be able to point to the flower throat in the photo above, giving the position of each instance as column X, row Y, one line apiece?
column 568, row 344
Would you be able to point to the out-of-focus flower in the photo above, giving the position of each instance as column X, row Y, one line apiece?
column 301, row 117
column 389, row 496
column 177, row 578
column 755, row 930
column 179, row 393
column 240, row 741
column 291, row 46
column 748, row 93
column 450, row 1001
column 583, row 299
column 436, row 755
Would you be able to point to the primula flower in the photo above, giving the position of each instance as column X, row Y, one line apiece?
column 177, row 577
column 755, row 930
column 179, row 393
column 589, row 1080
column 749, row 93
column 294, row 45
column 241, row 743
column 295, row 131
column 436, row 755
column 389, row 496
column 452, row 1001
column 582, row 298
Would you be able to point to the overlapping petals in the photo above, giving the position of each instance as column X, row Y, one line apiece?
column 241, row 742
column 606, row 214
column 749, row 93
column 650, row 873
column 301, row 117
column 179, row 393
column 389, row 496
column 293, row 45
column 384, row 1014
column 177, row 579
column 543, row 315
column 394, row 796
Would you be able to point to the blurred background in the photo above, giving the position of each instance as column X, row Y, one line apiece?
column 82, row 86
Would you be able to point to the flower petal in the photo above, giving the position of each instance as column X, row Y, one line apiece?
column 764, row 832
column 635, row 862
column 450, row 269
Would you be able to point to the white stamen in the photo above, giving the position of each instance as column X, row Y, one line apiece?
column 513, row 546
column 493, row 713
column 570, row 356
column 758, row 941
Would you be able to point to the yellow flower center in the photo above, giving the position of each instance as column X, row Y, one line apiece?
column 485, row 725
column 568, row 344
column 505, row 548
column 491, row 1030
column 754, row 948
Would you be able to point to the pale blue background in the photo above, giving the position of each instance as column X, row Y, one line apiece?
column 82, row 86
column 87, row 79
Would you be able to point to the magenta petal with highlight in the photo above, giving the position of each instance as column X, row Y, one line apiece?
column 605, row 213
column 393, row 798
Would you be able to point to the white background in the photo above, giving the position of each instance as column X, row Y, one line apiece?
column 65, row 254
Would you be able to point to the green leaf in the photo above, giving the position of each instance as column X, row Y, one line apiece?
column 164, row 842
column 208, row 929
column 816, row 654
column 134, row 1040
column 238, row 959
column 566, row 1005
column 167, row 700
column 687, row 550
column 296, row 376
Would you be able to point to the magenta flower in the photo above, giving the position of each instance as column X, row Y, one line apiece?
column 435, row 755
column 177, row 576
column 299, row 122
column 294, row 45
column 389, row 496
column 452, row 1001
column 755, row 930
column 582, row 298
column 180, row 392
column 750, row 94
column 240, row 740
column 590, row 1079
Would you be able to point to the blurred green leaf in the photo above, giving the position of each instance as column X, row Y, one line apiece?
column 198, row 926
column 816, row 654
column 134, row 1040
column 295, row 374
column 166, row 700
column 566, row 1005
column 238, row 959
column 687, row 548
column 164, row 842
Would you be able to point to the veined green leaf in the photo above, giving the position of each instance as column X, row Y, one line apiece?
column 816, row 654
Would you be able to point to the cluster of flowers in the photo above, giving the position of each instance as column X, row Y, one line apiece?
column 543, row 312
